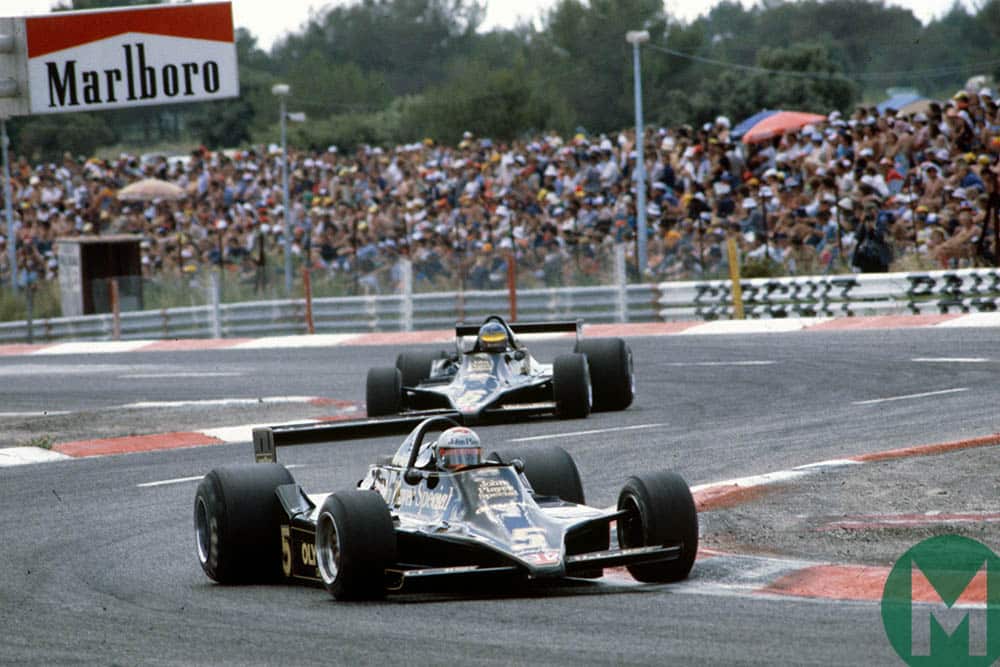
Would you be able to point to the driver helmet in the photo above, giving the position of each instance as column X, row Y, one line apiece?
column 492, row 337
column 457, row 448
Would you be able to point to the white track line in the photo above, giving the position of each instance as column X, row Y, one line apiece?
column 950, row 360
column 191, row 374
column 12, row 456
column 185, row 480
column 219, row 402
column 908, row 396
column 592, row 432
column 97, row 347
column 293, row 342
column 43, row 413
column 166, row 482
column 751, row 326
column 721, row 363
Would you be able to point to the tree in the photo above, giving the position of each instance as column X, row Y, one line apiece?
column 77, row 5
column 594, row 69
column 49, row 137
column 498, row 103
column 409, row 42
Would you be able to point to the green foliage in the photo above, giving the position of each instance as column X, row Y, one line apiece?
column 74, row 5
column 48, row 137
column 499, row 103
column 765, row 267
column 382, row 71
column 222, row 124
column 45, row 302
column 40, row 441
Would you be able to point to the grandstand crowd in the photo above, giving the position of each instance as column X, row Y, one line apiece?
column 868, row 191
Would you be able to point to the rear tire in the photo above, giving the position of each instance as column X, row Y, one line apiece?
column 415, row 367
column 237, row 522
column 571, row 386
column 355, row 543
column 383, row 392
column 661, row 511
column 550, row 470
column 610, row 361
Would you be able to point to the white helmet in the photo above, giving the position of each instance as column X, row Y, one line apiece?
column 457, row 448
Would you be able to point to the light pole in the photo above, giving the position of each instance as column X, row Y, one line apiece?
column 635, row 38
column 281, row 91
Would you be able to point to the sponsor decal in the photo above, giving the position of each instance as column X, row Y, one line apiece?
column 528, row 539
column 481, row 365
column 82, row 61
column 470, row 398
column 490, row 489
column 542, row 557
column 941, row 603
column 296, row 542
column 421, row 499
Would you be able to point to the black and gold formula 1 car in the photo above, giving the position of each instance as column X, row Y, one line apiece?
column 436, row 511
column 491, row 374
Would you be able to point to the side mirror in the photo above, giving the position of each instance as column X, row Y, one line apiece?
column 518, row 465
column 412, row 476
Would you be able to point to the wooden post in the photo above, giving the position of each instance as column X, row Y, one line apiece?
column 116, row 311
column 307, row 288
column 734, row 276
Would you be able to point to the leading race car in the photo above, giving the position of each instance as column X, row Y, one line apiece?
column 493, row 374
column 437, row 511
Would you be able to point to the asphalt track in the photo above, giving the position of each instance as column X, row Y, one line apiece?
column 100, row 570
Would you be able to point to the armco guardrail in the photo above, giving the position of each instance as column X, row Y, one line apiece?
column 967, row 290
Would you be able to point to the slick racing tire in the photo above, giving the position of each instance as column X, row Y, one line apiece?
column 550, row 470
column 610, row 362
column 571, row 386
column 415, row 367
column 355, row 543
column 237, row 522
column 383, row 392
column 660, row 512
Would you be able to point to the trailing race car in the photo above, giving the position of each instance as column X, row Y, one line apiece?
column 436, row 511
column 495, row 375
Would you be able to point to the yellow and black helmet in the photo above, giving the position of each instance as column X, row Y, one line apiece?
column 492, row 337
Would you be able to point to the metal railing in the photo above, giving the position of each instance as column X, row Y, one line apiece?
column 968, row 290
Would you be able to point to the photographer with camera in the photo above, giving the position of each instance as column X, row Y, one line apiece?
column 873, row 254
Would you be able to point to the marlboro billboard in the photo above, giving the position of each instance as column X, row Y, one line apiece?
column 112, row 59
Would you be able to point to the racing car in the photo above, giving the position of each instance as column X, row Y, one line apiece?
column 493, row 374
column 436, row 511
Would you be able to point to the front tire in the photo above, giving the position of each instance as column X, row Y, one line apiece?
column 237, row 522
column 571, row 386
column 661, row 512
column 609, row 360
column 550, row 470
column 355, row 543
column 383, row 392
column 415, row 367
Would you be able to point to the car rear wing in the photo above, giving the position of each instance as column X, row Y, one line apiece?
column 267, row 439
column 558, row 326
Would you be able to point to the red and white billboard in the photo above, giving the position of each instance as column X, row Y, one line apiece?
column 140, row 56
